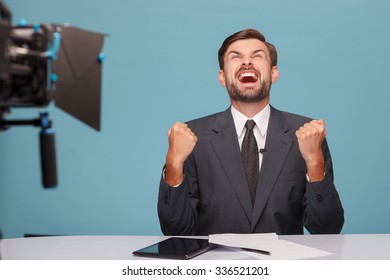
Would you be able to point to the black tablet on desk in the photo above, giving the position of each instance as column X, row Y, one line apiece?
column 176, row 248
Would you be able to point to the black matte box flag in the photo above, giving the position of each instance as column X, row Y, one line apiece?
column 78, row 89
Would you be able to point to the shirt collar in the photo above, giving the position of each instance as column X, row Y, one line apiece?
column 261, row 119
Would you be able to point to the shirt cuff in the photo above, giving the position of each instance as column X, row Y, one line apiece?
column 163, row 175
column 308, row 178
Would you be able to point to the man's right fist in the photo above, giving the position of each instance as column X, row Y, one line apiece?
column 182, row 142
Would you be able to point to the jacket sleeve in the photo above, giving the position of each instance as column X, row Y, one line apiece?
column 178, row 206
column 324, row 213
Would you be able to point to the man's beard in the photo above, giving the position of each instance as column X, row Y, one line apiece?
column 249, row 95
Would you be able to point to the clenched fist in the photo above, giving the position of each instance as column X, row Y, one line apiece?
column 182, row 141
column 310, row 137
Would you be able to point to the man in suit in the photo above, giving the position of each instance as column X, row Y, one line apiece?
column 206, row 186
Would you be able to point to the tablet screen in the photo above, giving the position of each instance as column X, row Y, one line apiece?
column 176, row 248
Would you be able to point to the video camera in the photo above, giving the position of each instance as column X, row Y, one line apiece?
column 44, row 62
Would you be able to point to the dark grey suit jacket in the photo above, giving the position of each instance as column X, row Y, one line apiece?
column 214, row 197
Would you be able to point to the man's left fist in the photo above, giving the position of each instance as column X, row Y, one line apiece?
column 310, row 137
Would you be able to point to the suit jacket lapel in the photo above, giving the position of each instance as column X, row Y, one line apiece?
column 278, row 144
column 227, row 149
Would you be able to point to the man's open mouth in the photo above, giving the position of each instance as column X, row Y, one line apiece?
column 248, row 77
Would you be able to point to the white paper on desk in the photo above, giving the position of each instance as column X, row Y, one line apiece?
column 280, row 249
column 253, row 240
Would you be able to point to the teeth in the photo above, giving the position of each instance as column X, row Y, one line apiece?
column 243, row 75
column 246, row 75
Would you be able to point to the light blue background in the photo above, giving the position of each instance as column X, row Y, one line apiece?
column 161, row 67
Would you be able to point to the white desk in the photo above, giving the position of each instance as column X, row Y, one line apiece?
column 346, row 247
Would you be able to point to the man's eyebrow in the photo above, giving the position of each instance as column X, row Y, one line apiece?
column 254, row 52
column 259, row 50
column 234, row 52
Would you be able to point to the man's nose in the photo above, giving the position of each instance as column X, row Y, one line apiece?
column 247, row 61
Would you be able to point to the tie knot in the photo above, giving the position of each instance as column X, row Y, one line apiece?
column 250, row 124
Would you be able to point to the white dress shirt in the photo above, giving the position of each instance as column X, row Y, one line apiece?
column 260, row 130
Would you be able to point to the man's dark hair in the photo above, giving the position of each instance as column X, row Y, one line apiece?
column 242, row 35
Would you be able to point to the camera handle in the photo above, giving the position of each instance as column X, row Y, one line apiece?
column 47, row 146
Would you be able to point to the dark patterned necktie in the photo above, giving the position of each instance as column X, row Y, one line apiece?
column 250, row 158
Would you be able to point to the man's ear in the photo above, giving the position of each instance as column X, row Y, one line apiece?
column 274, row 74
column 221, row 78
